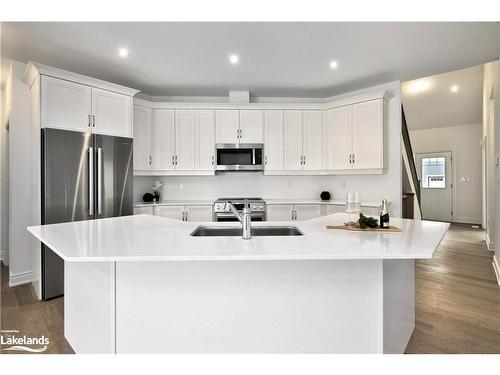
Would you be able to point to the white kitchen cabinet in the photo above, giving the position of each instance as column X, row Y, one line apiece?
column 65, row 105
column 251, row 126
column 164, row 139
column 311, row 133
column 335, row 208
column 337, row 138
column 111, row 113
column 184, row 140
column 273, row 140
column 368, row 135
column 292, row 146
column 198, row 213
column 204, row 122
column 307, row 211
column 280, row 212
column 171, row 212
column 144, row 210
column 227, row 125
column 143, row 157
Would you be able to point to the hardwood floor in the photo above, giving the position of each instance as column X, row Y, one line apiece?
column 457, row 302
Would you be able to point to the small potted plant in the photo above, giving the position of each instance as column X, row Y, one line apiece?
column 156, row 191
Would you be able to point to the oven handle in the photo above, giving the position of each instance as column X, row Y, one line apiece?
column 253, row 156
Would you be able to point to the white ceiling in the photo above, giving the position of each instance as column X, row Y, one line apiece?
column 438, row 106
column 276, row 59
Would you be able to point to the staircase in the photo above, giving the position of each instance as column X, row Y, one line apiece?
column 411, row 208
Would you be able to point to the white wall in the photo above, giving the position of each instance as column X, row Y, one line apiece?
column 371, row 187
column 5, row 106
column 465, row 144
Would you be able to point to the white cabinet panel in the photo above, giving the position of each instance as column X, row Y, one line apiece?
column 204, row 140
column 184, row 140
column 142, row 138
column 279, row 212
column 251, row 126
column 163, row 139
column 227, row 124
column 367, row 134
column 273, row 140
column 198, row 213
column 334, row 208
column 171, row 212
column 311, row 134
column 65, row 105
column 307, row 211
column 112, row 112
column 337, row 138
column 143, row 210
column 292, row 140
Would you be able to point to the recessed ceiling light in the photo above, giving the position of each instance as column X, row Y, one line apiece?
column 233, row 59
column 123, row 52
column 454, row 88
column 418, row 86
column 334, row 64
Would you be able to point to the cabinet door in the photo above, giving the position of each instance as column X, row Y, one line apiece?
column 227, row 124
column 172, row 212
column 311, row 135
column 204, row 123
column 251, row 126
column 184, row 140
column 368, row 134
column 65, row 105
column 292, row 146
column 273, row 140
column 143, row 210
column 334, row 208
column 143, row 159
column 307, row 211
column 279, row 212
column 113, row 113
column 163, row 139
column 337, row 138
column 198, row 213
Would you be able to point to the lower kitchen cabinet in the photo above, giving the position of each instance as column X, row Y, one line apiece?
column 287, row 212
column 307, row 211
column 144, row 210
column 185, row 213
column 171, row 212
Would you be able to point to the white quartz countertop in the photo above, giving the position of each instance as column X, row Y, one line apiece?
column 154, row 238
column 205, row 202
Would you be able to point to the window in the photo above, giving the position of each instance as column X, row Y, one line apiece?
column 434, row 172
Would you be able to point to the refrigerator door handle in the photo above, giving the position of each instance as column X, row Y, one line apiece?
column 99, row 181
column 91, row 181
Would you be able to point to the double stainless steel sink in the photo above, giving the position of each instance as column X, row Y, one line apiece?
column 216, row 231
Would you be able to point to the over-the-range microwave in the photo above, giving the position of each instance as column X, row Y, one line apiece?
column 239, row 157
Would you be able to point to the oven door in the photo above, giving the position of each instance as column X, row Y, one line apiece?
column 239, row 157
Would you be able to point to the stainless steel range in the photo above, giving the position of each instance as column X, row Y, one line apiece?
column 222, row 212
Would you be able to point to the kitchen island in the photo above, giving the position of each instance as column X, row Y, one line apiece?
column 144, row 284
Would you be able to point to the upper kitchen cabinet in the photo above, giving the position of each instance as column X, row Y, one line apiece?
column 273, row 140
column 164, row 139
column 227, row 126
column 292, row 145
column 65, row 105
column 311, row 133
column 204, row 137
column 111, row 113
column 184, row 158
column 143, row 151
column 251, row 126
column 337, row 138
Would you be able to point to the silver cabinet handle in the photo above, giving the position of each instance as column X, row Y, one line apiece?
column 212, row 160
column 265, row 160
column 93, row 121
column 91, row 181
column 99, row 181
column 173, row 160
column 304, row 160
column 89, row 121
column 186, row 215
column 150, row 160
column 353, row 158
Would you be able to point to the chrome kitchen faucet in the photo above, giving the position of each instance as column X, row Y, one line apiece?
column 245, row 218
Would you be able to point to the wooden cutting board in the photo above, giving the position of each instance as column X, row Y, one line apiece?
column 354, row 229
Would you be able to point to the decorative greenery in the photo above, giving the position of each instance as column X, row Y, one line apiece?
column 367, row 222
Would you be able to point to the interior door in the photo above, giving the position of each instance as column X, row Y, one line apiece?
column 273, row 140
column 142, row 138
column 164, row 139
column 435, row 174
column 204, row 123
column 292, row 140
column 113, row 113
column 367, row 134
column 113, row 176
column 251, row 126
column 311, row 133
column 184, row 140
column 337, row 138
column 227, row 124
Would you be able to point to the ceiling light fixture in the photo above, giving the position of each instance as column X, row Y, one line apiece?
column 418, row 86
column 123, row 52
column 334, row 64
column 454, row 88
column 233, row 59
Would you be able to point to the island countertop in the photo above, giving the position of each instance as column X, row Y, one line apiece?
column 153, row 238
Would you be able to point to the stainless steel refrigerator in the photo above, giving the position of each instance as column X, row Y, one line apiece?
column 84, row 176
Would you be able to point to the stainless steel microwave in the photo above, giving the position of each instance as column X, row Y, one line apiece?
column 239, row 156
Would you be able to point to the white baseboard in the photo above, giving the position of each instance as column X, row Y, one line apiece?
column 496, row 268
column 467, row 220
column 489, row 244
column 20, row 279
